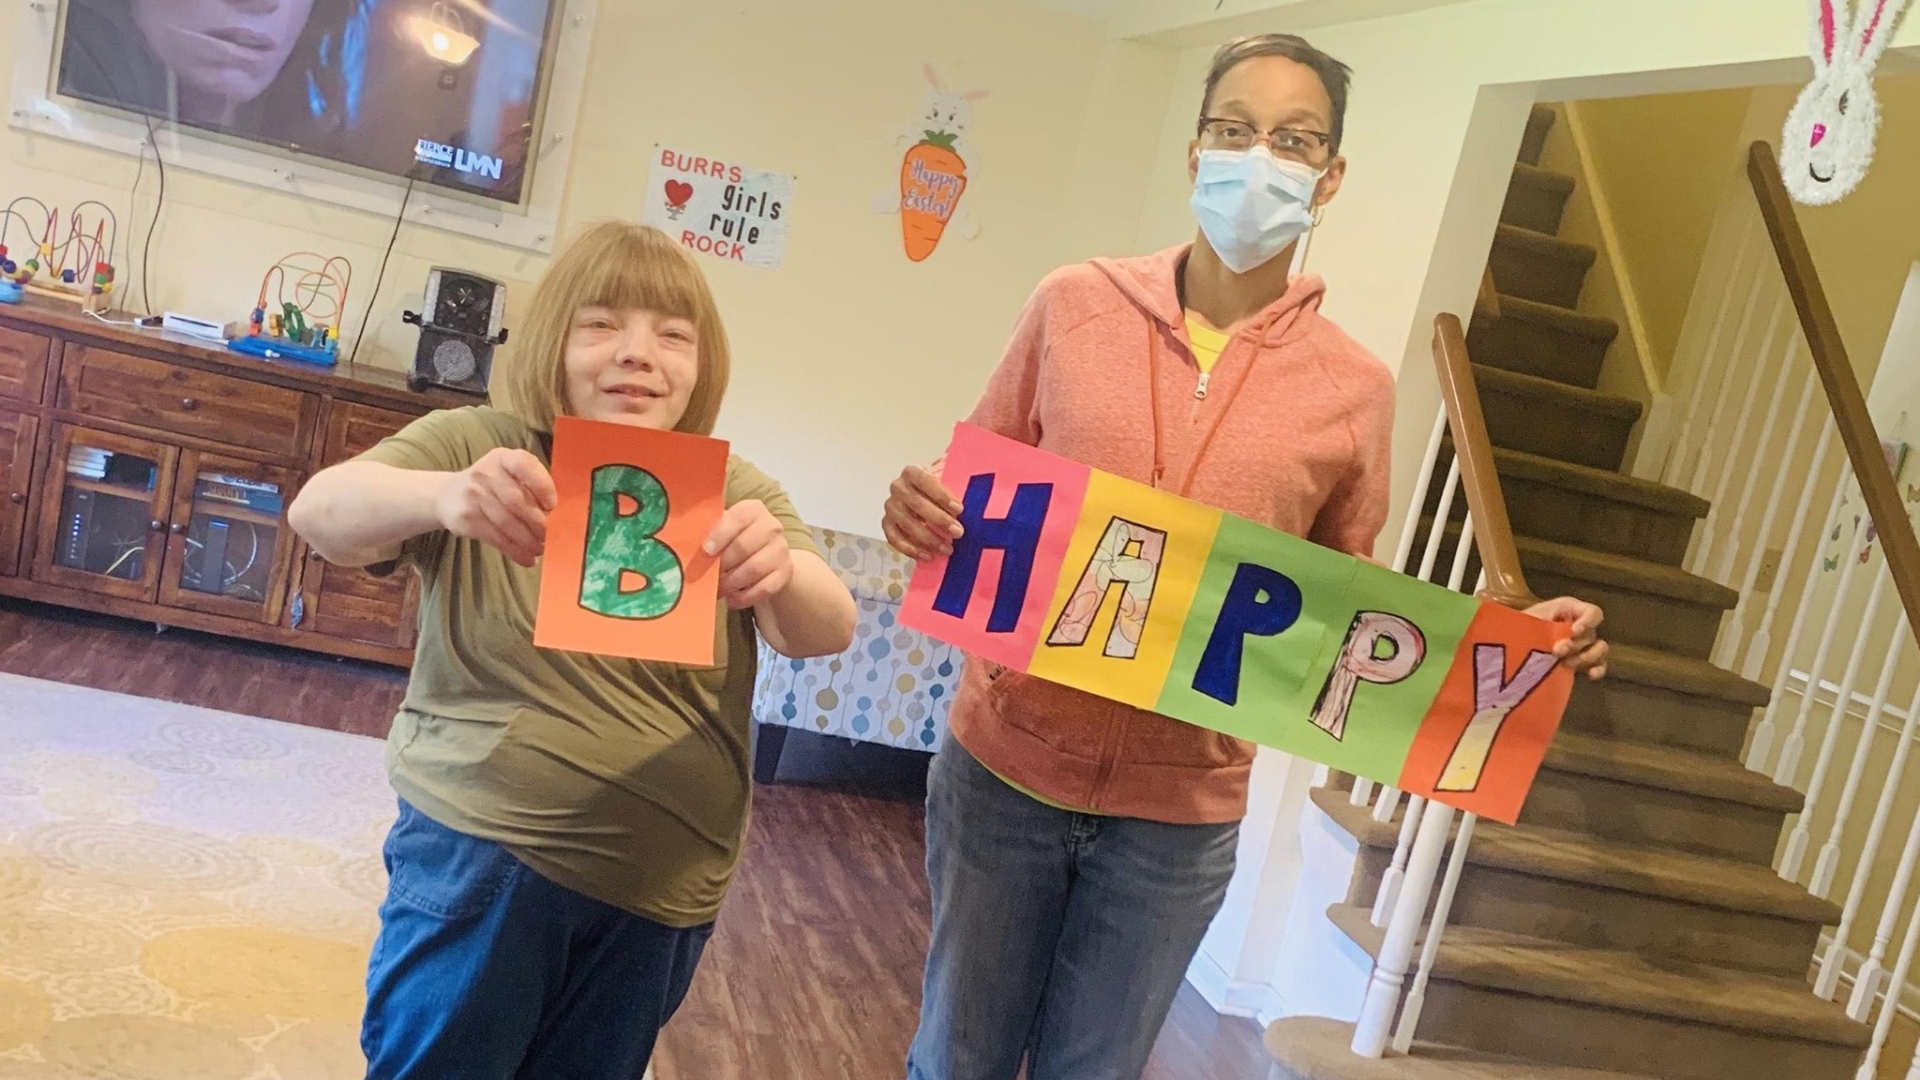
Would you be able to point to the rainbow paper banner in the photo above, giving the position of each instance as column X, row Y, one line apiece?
column 1125, row 591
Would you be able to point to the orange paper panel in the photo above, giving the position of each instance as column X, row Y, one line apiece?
column 623, row 573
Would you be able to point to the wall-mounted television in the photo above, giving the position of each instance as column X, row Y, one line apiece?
column 444, row 93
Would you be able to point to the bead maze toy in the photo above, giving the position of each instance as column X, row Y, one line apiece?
column 305, row 326
column 74, row 263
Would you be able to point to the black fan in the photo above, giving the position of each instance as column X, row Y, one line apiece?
column 458, row 332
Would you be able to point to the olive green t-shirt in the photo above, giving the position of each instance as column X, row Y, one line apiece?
column 622, row 779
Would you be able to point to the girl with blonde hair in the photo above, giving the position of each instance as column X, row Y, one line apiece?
column 568, row 823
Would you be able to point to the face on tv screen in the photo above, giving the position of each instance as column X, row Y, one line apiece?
column 441, row 92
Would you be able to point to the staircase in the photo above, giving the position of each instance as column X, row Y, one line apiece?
column 1631, row 927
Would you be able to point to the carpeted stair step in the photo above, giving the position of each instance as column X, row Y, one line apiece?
column 1649, row 604
column 1652, row 604
column 1593, row 508
column 1659, row 699
column 1582, row 890
column 1537, row 198
column 1316, row 1048
column 1549, row 1002
column 1536, row 266
column 1539, row 126
column 1659, row 797
column 1554, row 420
column 1540, row 339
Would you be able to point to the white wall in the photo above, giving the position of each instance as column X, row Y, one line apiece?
column 850, row 361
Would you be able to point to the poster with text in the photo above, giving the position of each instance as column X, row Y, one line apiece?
column 719, row 207
column 1118, row 589
column 623, row 573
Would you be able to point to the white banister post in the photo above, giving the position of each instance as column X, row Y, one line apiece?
column 1870, row 1066
column 1836, row 720
column 1763, row 734
column 1736, row 439
column 1786, row 769
column 1430, row 949
column 1410, row 528
column 1870, row 969
column 1676, row 454
column 1723, row 570
column 1756, row 650
column 1704, row 454
column 1375, row 1026
column 1438, row 530
column 1828, row 863
column 1396, row 874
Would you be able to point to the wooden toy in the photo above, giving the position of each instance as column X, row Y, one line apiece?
column 303, row 299
column 72, row 263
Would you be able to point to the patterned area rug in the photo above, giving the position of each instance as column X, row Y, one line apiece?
column 184, row 894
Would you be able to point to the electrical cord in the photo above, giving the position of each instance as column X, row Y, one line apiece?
column 146, row 248
column 374, row 297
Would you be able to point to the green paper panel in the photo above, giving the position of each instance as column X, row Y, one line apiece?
column 1273, row 668
column 1383, row 719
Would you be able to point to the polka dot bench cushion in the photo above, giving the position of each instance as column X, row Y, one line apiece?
column 893, row 686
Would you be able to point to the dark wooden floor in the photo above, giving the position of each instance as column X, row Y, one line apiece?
column 813, row 973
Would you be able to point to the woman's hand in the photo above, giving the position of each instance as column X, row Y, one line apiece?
column 922, row 519
column 1584, row 651
column 755, row 561
column 502, row 500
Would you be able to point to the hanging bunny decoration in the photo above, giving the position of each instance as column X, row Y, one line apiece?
column 1828, row 142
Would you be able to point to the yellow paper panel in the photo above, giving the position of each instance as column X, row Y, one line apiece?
column 1131, row 572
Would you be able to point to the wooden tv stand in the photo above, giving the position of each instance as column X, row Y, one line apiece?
column 146, row 475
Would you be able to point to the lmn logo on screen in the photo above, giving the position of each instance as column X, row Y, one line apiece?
column 451, row 157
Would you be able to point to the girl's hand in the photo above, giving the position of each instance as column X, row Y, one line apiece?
column 1584, row 651
column 501, row 500
column 921, row 520
column 755, row 561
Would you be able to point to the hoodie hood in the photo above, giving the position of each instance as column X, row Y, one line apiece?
column 1151, row 283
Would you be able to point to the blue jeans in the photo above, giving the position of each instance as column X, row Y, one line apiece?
column 1058, row 937
column 484, row 970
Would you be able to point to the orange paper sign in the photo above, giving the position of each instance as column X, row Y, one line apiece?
column 624, row 574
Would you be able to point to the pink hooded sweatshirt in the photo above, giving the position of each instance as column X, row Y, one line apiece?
column 1292, row 430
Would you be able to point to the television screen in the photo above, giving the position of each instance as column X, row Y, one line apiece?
column 443, row 92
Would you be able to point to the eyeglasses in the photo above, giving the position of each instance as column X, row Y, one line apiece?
column 1294, row 144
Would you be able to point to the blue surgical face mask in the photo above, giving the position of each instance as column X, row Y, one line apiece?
column 1251, row 205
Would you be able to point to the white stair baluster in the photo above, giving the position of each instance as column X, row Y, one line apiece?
column 1723, row 568
column 1736, row 441
column 1675, row 466
column 1436, row 933
column 1836, row 721
column 1829, row 861
column 1374, row 1029
column 1396, row 874
column 1410, row 528
column 1763, row 733
column 1786, row 770
column 1865, row 981
column 1704, row 455
column 1870, row 1065
column 1757, row 648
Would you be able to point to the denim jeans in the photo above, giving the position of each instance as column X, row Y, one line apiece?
column 1058, row 937
column 484, row 970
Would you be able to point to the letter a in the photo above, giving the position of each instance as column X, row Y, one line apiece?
column 1128, row 555
column 628, row 574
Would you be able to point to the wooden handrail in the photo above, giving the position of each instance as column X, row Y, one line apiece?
column 1493, row 532
column 1837, row 376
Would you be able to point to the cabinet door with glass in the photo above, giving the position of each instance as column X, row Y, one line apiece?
column 103, row 521
column 228, row 545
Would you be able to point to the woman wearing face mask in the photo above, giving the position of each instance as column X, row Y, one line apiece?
column 1077, row 847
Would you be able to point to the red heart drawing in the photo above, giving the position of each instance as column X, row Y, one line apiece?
column 678, row 192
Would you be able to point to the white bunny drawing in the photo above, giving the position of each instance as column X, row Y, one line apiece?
column 1829, row 137
column 947, row 116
